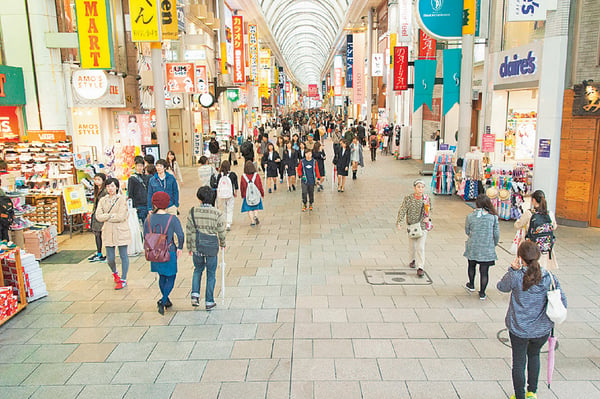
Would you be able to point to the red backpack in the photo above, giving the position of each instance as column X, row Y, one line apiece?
column 156, row 245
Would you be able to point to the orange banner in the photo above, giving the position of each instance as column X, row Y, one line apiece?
column 239, row 64
column 47, row 136
column 180, row 77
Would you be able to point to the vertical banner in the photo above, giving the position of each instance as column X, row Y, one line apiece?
column 452, row 59
column 393, row 41
column 424, row 81
column 337, row 75
column 400, row 68
column 94, row 34
column 349, row 61
column 281, row 77
column 180, row 77
column 201, row 79
column 239, row 64
column 469, row 17
column 313, row 90
column 253, row 50
column 323, row 88
column 228, row 39
column 145, row 22
column 358, row 69
column 426, row 46
column 405, row 28
column 378, row 63
column 287, row 87
column 168, row 20
column 224, row 58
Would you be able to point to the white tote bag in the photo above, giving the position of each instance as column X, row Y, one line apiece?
column 136, row 247
column 555, row 310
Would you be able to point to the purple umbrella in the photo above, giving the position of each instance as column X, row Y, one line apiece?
column 551, row 348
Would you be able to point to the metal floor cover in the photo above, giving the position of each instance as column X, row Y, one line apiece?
column 396, row 277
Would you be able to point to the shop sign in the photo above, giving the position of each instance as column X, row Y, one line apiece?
column 253, row 49
column 145, row 20
column 135, row 130
column 378, row 64
column 427, row 46
column 239, row 64
column 181, row 17
column 587, row 99
column 544, row 148
column 201, row 78
column 441, row 18
column 488, row 142
column 287, row 87
column 265, row 58
column 86, row 123
column 349, row 60
column 12, row 86
column 90, row 84
column 313, row 91
column 526, row 10
column 469, row 17
column 180, row 77
column 93, row 88
column 405, row 11
column 400, row 68
column 168, row 20
column 46, row 136
column 94, row 33
column 518, row 66
column 10, row 124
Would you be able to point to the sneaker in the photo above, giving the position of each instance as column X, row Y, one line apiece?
column 318, row 189
column 412, row 264
column 210, row 305
column 95, row 258
column 121, row 284
column 270, row 191
column 195, row 301
column 116, row 277
column 252, row 224
column 293, row 187
column 160, row 306
column 482, row 296
column 168, row 304
column 304, row 208
column 310, row 208
column 101, row 259
column 290, row 189
column 470, row 287
column 420, row 272
column 530, row 395
column 256, row 220
column 274, row 187
column 228, row 227
column 280, row 181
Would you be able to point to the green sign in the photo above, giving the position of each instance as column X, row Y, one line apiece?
column 12, row 86
column 233, row 95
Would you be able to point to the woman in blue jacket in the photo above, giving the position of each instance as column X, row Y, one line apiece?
column 526, row 319
column 483, row 230
column 165, row 182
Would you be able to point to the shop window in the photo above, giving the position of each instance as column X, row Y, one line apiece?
column 517, row 34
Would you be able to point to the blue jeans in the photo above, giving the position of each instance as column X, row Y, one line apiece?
column 166, row 284
column 142, row 213
column 525, row 351
column 200, row 263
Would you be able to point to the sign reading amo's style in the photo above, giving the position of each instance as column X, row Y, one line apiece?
column 519, row 67
column 94, row 34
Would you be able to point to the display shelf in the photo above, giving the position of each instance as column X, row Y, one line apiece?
column 20, row 280
column 49, row 209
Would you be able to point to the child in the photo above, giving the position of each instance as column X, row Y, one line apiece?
column 308, row 171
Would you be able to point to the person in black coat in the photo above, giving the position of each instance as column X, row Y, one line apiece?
column 342, row 163
column 137, row 189
column 290, row 162
column 270, row 163
column 319, row 157
column 302, row 151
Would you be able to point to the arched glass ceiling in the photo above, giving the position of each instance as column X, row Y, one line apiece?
column 305, row 31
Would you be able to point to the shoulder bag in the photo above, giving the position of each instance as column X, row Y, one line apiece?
column 555, row 309
column 206, row 244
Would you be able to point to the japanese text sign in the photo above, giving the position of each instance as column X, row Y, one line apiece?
column 400, row 68
column 169, row 23
column 426, row 46
column 94, row 34
column 253, row 49
column 180, row 77
column 239, row 64
column 145, row 22
column 313, row 91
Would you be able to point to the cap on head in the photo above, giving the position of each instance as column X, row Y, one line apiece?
column 418, row 181
column 161, row 200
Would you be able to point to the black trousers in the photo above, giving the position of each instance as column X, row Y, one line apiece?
column 484, row 268
column 308, row 190
column 98, row 236
column 525, row 351
column 373, row 153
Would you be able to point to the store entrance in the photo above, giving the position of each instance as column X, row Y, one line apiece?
column 176, row 135
column 595, row 213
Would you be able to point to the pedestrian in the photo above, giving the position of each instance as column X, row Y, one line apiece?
column 539, row 225
column 308, row 172
column 207, row 173
column 148, row 160
column 310, row 142
column 319, row 156
column 290, row 162
column 528, row 325
column 342, row 163
column 112, row 211
column 161, row 221
column 214, row 149
column 415, row 209
column 163, row 181
column 301, row 151
column 295, row 142
column 373, row 144
column 247, row 150
column 360, row 131
column 270, row 163
column 252, row 192
column 336, row 136
column 96, row 225
column 227, row 188
column 280, row 150
column 205, row 231
column 483, row 230
column 173, row 167
column 137, row 189
column 356, row 156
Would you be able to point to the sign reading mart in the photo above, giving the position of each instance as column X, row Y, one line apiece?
column 519, row 67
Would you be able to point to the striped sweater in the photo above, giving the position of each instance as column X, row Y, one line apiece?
column 209, row 220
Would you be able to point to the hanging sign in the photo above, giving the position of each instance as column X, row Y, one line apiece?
column 526, row 10
column 265, row 58
column 10, row 124
column 349, row 60
column 201, row 79
column 400, row 68
column 358, row 69
column 427, row 46
column 169, row 20
column 180, row 77
column 145, row 20
column 12, row 86
column 488, row 142
column 90, row 84
column 253, row 50
column 94, row 34
column 378, row 63
column 405, row 29
column 424, row 82
column 287, row 87
column 442, row 19
column 452, row 59
column 239, row 64
column 313, row 90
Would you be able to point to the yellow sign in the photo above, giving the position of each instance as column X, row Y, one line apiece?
column 168, row 14
column 393, row 40
column 94, row 34
column 224, row 58
column 469, row 17
column 145, row 20
column 75, row 202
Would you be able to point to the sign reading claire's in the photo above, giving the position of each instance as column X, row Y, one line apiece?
column 519, row 67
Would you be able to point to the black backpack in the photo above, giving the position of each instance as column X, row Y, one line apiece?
column 541, row 232
column 213, row 147
column 7, row 211
column 247, row 149
column 373, row 143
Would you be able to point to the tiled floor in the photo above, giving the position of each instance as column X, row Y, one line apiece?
column 299, row 319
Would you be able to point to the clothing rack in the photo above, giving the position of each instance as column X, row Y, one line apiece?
column 472, row 174
column 442, row 181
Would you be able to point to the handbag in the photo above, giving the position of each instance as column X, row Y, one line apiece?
column 156, row 245
column 555, row 309
column 414, row 230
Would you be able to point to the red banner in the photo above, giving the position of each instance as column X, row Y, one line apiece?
column 10, row 126
column 180, row 77
column 426, row 46
column 313, row 91
column 287, row 87
column 400, row 68
column 239, row 65
column 337, row 81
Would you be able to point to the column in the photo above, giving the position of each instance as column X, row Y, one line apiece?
column 466, row 94
column 368, row 69
column 390, row 103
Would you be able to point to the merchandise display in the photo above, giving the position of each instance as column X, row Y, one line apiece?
column 41, row 240
column 13, row 297
column 34, row 279
column 443, row 173
column 507, row 185
column 472, row 175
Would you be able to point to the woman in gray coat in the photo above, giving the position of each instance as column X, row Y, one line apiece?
column 484, row 233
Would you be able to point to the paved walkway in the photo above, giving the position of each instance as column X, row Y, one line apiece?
column 299, row 319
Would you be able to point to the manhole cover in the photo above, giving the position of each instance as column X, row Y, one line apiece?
column 396, row 277
column 504, row 337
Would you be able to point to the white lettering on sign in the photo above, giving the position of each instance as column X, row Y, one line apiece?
column 5, row 124
column 90, row 84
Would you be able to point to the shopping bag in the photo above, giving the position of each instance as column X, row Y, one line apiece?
column 516, row 242
column 136, row 247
